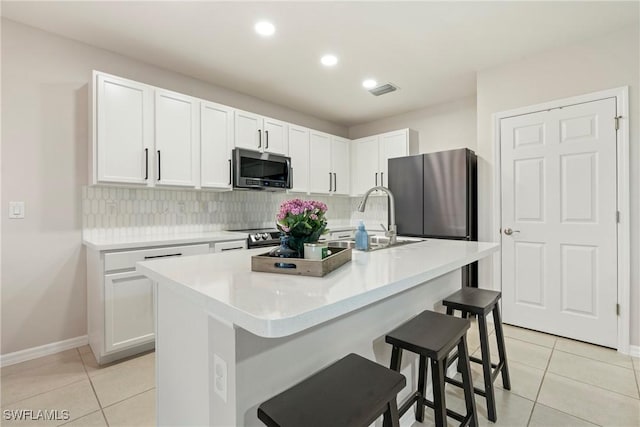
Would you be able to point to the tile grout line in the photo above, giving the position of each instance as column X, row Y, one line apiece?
column 595, row 385
column 596, row 360
column 95, row 394
column 540, row 389
column 637, row 375
column 544, row 375
column 130, row 397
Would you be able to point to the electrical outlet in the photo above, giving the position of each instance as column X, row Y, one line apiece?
column 16, row 210
column 220, row 377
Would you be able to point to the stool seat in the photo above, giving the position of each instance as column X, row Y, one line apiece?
column 353, row 391
column 472, row 300
column 430, row 334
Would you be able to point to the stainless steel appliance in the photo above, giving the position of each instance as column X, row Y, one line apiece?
column 261, row 237
column 253, row 170
column 436, row 197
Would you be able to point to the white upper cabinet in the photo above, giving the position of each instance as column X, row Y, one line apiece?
column 216, row 142
column 365, row 172
column 122, row 131
column 177, row 139
column 275, row 136
column 340, row 165
column 150, row 136
column 320, row 175
column 299, row 153
column 370, row 157
column 328, row 164
column 248, row 130
column 259, row 133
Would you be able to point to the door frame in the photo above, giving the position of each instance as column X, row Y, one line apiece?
column 621, row 95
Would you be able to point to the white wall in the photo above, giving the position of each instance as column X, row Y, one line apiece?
column 441, row 127
column 598, row 64
column 44, row 163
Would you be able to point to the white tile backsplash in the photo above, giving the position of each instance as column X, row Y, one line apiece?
column 131, row 211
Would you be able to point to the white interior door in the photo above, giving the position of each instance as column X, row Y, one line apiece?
column 559, row 264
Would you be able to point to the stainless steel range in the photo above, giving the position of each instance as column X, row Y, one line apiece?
column 261, row 237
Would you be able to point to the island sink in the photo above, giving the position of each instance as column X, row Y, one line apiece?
column 375, row 242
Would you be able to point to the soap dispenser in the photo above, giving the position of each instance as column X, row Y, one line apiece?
column 362, row 238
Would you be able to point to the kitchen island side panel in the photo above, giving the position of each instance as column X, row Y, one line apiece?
column 263, row 367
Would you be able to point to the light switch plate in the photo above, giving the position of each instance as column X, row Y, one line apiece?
column 16, row 210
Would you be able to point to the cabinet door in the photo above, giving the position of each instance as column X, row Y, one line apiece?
column 365, row 164
column 129, row 319
column 392, row 144
column 299, row 153
column 124, row 130
column 248, row 131
column 320, row 177
column 176, row 139
column 216, row 140
column 275, row 136
column 340, row 165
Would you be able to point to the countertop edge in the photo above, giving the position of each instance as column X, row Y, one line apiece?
column 276, row 328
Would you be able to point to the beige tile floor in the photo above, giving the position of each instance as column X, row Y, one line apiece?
column 555, row 382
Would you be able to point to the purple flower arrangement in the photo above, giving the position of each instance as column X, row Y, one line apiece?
column 303, row 220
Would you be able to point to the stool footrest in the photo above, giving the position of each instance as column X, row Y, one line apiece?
column 407, row 404
column 457, row 383
column 475, row 359
column 497, row 370
column 464, row 419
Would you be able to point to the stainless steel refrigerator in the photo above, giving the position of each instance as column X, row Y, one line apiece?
column 436, row 197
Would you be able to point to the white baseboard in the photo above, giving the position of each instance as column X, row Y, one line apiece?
column 634, row 350
column 43, row 350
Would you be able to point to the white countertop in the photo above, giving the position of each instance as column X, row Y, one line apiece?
column 276, row 305
column 102, row 241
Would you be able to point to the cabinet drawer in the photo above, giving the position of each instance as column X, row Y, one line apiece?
column 127, row 260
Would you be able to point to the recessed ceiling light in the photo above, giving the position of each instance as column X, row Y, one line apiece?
column 265, row 28
column 329, row 60
column 369, row 83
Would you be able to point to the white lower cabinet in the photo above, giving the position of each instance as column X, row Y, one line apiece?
column 121, row 301
column 128, row 316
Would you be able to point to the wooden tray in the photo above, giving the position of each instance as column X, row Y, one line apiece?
column 301, row 266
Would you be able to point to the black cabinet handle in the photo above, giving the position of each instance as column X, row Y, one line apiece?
column 335, row 182
column 146, row 163
column 266, row 133
column 329, row 181
column 382, row 179
column 229, row 171
column 159, row 169
column 162, row 256
column 259, row 138
column 376, row 179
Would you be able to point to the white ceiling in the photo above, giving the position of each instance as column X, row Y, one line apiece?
column 431, row 50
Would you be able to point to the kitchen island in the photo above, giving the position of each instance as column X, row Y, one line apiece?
column 228, row 338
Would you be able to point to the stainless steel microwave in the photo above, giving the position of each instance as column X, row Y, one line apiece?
column 261, row 171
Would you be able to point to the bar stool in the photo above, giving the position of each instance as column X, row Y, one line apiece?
column 433, row 335
column 479, row 302
column 353, row 392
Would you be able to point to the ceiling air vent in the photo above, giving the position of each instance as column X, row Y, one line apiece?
column 382, row 89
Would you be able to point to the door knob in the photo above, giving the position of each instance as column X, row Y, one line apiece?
column 509, row 231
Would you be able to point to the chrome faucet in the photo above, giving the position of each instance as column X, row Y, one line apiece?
column 391, row 231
